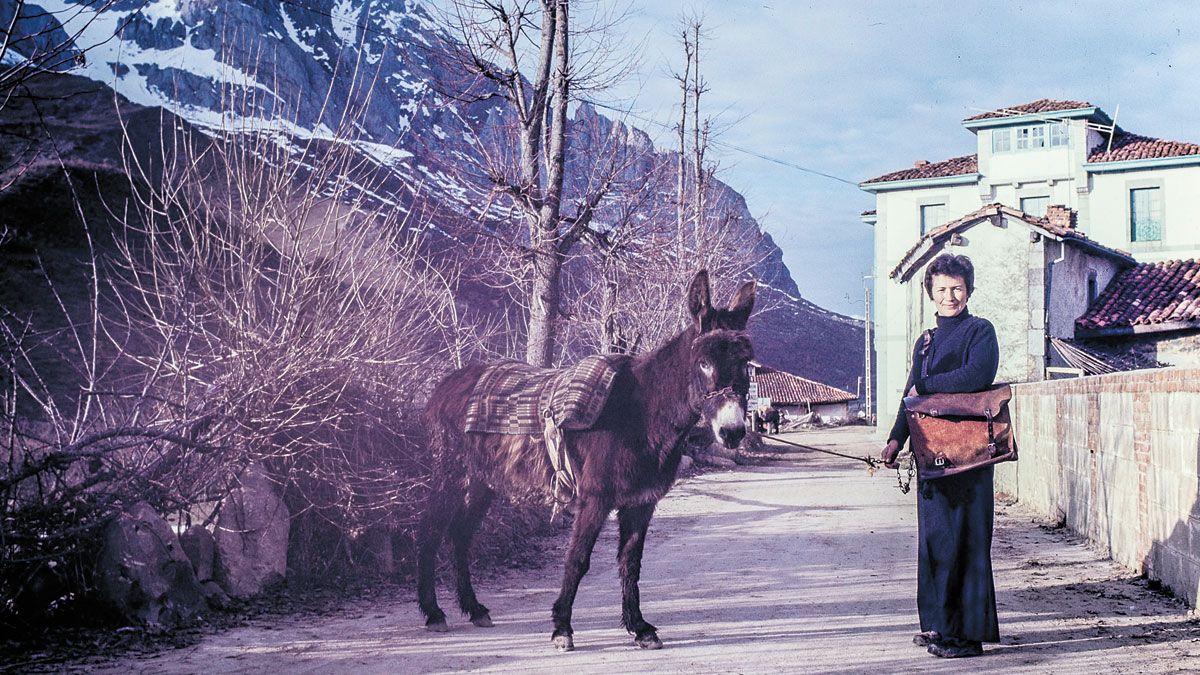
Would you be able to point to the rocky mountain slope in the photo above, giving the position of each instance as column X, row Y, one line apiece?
column 175, row 55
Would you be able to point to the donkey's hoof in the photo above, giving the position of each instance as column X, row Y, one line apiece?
column 564, row 643
column 648, row 640
column 437, row 626
column 483, row 620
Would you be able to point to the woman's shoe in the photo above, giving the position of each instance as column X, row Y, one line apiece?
column 951, row 648
column 926, row 638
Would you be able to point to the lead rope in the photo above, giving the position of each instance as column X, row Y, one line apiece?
column 872, row 463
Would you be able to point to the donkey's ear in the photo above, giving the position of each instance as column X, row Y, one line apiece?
column 742, row 303
column 699, row 300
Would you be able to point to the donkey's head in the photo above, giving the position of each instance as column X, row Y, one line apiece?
column 720, row 358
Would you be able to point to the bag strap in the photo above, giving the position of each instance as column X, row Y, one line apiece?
column 926, row 342
column 991, row 431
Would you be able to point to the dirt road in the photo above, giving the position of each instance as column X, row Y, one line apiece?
column 803, row 565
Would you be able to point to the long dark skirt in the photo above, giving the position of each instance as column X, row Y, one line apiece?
column 955, row 592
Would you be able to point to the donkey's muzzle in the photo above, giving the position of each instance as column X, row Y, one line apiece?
column 731, row 436
column 725, row 411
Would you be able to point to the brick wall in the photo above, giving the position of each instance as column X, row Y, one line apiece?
column 1115, row 457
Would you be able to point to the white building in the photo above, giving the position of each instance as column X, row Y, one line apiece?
column 1124, row 199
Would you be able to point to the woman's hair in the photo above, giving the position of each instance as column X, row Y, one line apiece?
column 951, row 265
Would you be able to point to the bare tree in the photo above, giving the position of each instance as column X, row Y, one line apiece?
column 522, row 52
column 653, row 246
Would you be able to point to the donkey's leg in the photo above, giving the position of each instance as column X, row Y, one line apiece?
column 443, row 504
column 462, row 530
column 634, row 521
column 589, row 520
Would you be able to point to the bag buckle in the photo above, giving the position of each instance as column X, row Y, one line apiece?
column 939, row 461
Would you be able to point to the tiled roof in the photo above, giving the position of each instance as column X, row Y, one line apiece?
column 1151, row 293
column 1042, row 105
column 955, row 166
column 788, row 389
column 1127, row 146
column 1058, row 221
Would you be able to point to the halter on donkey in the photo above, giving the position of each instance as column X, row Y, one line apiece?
column 626, row 459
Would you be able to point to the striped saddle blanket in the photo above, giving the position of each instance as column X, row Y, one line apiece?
column 511, row 397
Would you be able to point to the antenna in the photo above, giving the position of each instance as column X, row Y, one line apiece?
column 1113, row 129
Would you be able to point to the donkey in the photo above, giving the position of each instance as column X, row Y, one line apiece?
column 626, row 461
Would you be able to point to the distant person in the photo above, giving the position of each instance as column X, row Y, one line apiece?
column 771, row 419
column 956, row 597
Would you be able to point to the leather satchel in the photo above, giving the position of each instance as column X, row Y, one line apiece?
column 953, row 433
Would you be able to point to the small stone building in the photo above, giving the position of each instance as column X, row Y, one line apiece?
column 1149, row 315
column 797, row 396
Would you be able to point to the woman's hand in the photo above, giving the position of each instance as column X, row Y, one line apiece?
column 889, row 454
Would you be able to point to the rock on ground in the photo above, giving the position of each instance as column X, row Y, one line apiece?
column 251, row 537
column 200, row 547
column 143, row 572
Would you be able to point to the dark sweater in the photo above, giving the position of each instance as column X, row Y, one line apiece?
column 963, row 357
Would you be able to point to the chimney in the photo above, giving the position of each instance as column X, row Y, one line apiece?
column 920, row 163
column 1060, row 217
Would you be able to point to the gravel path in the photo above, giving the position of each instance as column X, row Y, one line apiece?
column 801, row 565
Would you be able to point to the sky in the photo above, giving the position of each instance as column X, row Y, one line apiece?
column 855, row 89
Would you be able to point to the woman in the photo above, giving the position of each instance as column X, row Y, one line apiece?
column 956, row 598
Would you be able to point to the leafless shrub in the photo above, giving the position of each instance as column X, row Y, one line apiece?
column 268, row 282
column 264, row 301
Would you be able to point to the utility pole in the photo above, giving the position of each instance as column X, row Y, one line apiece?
column 867, row 348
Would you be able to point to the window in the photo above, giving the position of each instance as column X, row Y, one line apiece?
column 1031, row 138
column 1001, row 140
column 1145, row 214
column 1058, row 134
column 1035, row 206
column 932, row 215
column 1091, row 287
column 1038, row 136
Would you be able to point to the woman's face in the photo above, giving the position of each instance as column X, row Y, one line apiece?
column 949, row 294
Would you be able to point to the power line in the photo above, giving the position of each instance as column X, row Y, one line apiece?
column 729, row 146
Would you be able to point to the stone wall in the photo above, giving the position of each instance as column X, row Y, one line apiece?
column 1116, row 458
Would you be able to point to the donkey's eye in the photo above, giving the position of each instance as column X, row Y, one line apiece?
column 706, row 368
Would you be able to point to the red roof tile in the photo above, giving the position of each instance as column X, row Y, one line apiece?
column 1150, row 293
column 788, row 389
column 1127, row 146
column 955, row 166
column 1041, row 105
